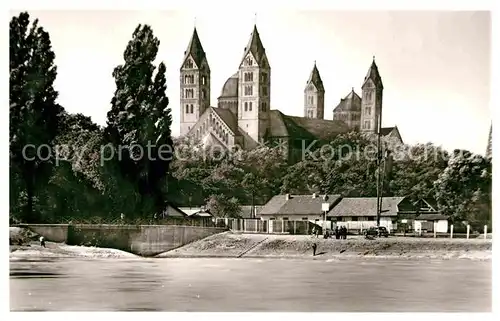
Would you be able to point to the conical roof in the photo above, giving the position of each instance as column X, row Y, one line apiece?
column 315, row 79
column 255, row 46
column 195, row 49
column 374, row 75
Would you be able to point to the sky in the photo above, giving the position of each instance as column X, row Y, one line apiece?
column 435, row 65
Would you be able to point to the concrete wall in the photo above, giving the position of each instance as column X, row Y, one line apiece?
column 152, row 240
column 145, row 240
column 52, row 232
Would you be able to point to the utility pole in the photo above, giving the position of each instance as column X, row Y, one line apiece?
column 379, row 164
column 325, row 206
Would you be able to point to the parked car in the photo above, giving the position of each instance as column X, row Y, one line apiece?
column 377, row 231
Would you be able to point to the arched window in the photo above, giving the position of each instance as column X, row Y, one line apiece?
column 250, row 106
column 248, row 90
column 246, row 106
column 248, row 76
column 191, row 109
column 187, row 109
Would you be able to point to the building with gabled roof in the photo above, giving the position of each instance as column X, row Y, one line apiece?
column 243, row 116
column 297, row 207
column 365, row 208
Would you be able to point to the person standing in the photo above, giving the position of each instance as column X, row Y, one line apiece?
column 42, row 241
column 337, row 232
column 314, row 247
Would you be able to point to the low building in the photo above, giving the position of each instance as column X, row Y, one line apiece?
column 422, row 207
column 246, row 211
column 360, row 213
column 297, row 207
column 172, row 211
column 198, row 216
column 430, row 222
column 190, row 210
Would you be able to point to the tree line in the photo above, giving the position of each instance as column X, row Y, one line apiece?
column 70, row 179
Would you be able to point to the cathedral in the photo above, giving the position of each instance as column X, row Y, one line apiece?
column 243, row 116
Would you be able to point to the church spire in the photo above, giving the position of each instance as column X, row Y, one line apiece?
column 315, row 78
column 374, row 75
column 195, row 49
column 255, row 46
column 314, row 96
column 488, row 147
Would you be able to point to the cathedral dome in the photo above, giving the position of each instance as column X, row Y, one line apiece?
column 230, row 88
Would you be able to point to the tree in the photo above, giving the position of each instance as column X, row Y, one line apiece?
column 139, row 121
column 305, row 177
column 263, row 169
column 463, row 190
column 34, row 113
column 252, row 185
column 222, row 205
column 415, row 170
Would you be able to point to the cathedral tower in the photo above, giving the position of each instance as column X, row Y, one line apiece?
column 254, row 89
column 371, row 101
column 314, row 96
column 195, row 84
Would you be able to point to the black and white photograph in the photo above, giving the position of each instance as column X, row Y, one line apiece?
column 230, row 157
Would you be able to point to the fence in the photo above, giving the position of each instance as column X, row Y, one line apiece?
column 239, row 225
column 466, row 233
column 271, row 226
column 360, row 226
column 268, row 226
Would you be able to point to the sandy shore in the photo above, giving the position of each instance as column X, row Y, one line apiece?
column 26, row 246
column 300, row 246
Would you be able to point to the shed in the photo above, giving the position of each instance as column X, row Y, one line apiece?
column 431, row 222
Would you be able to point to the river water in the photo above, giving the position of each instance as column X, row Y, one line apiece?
column 250, row 285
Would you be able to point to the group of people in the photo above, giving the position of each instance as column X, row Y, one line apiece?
column 339, row 233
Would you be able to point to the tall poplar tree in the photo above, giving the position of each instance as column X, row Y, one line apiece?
column 34, row 113
column 140, row 118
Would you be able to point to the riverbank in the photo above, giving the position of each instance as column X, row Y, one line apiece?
column 300, row 246
column 25, row 245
